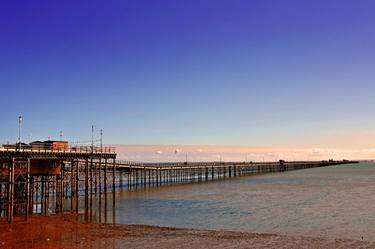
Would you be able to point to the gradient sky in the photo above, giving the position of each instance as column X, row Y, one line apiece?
column 251, row 73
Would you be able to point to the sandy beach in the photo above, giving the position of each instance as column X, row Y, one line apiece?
column 66, row 231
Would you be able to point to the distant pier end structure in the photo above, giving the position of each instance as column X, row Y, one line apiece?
column 53, row 176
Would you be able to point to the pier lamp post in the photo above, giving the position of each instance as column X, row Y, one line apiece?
column 92, row 138
column 19, row 131
column 101, row 140
column 219, row 157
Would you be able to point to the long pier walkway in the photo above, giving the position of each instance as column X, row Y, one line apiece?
column 42, row 181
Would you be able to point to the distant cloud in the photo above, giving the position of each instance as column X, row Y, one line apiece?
column 158, row 152
column 199, row 150
column 272, row 155
column 176, row 151
column 316, row 152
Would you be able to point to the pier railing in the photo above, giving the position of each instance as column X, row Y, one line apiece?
column 44, row 147
column 215, row 164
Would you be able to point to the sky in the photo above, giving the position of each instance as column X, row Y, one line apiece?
column 261, row 75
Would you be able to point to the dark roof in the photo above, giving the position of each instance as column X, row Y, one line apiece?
column 36, row 142
column 53, row 141
column 16, row 144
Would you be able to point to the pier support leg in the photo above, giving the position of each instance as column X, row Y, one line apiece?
column 114, row 183
column 10, row 193
column 114, row 192
column 105, row 190
column 72, row 186
column 91, row 185
column 100, row 189
column 96, row 177
column 77, row 186
column 27, row 211
column 31, row 196
column 86, row 189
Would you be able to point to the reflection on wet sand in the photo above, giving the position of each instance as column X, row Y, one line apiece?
column 65, row 231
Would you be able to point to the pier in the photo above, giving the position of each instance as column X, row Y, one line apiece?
column 54, row 179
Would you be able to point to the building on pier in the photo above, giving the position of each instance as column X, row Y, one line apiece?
column 43, row 174
column 50, row 144
column 16, row 146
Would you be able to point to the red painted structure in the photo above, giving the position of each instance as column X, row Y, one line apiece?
column 50, row 145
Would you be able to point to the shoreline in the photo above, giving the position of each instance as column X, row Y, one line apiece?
column 66, row 231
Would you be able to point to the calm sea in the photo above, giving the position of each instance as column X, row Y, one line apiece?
column 334, row 201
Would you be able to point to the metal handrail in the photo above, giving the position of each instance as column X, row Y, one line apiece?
column 166, row 165
column 48, row 147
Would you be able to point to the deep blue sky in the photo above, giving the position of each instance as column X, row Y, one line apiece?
column 188, row 72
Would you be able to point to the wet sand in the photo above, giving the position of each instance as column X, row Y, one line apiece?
column 66, row 231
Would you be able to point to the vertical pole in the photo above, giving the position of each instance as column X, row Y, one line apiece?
column 114, row 191
column 72, row 186
column 91, row 185
column 96, row 177
column 92, row 139
column 105, row 176
column 86, row 188
column 77, row 186
column 121, row 180
column 46, row 193
column 1, row 192
column 63, row 186
column 100, row 190
column 42, row 201
column 144, row 177
column 136, row 178
column 160, row 176
column 27, row 190
column 157, row 176
column 58, row 193
column 54, row 190
column 12, row 191
column 37, row 188
column 130, row 178
column 31, row 200
column 19, row 131
column 100, row 177
column 9, row 194
column 62, row 177
column 105, row 190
